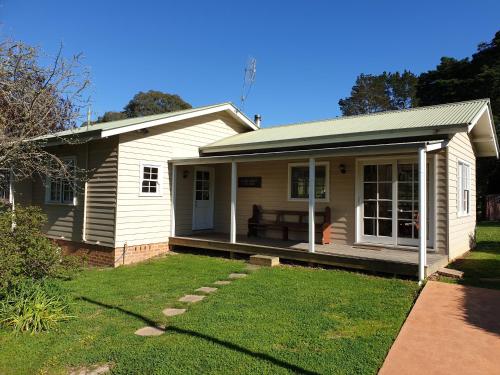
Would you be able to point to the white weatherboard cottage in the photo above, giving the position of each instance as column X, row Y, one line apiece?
column 393, row 192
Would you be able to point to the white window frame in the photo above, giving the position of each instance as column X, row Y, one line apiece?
column 461, row 167
column 326, row 164
column 159, row 189
column 48, row 186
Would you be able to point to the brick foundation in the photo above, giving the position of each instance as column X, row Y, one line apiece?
column 102, row 256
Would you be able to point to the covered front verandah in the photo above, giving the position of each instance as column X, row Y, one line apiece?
column 349, row 246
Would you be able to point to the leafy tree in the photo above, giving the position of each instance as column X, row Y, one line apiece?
column 466, row 79
column 111, row 116
column 154, row 102
column 377, row 93
column 147, row 103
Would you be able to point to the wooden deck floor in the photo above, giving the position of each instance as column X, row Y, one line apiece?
column 375, row 259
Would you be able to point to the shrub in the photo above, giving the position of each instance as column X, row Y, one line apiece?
column 25, row 252
column 33, row 307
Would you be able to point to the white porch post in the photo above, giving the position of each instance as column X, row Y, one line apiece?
column 312, row 199
column 234, row 174
column 173, row 195
column 422, row 199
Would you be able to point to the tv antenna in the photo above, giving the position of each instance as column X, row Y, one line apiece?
column 248, row 80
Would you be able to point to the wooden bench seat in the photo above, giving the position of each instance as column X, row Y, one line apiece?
column 289, row 220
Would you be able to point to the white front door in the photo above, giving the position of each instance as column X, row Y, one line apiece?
column 203, row 198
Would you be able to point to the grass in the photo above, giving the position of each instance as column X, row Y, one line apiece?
column 279, row 320
column 481, row 266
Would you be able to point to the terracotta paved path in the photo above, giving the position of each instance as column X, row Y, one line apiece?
column 452, row 329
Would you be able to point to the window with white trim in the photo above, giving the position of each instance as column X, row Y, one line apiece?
column 464, row 186
column 150, row 179
column 298, row 181
column 62, row 189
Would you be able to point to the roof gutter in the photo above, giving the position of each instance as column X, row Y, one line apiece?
column 390, row 148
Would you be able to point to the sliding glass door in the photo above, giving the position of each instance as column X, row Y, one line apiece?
column 389, row 209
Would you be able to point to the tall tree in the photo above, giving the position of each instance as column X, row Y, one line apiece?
column 466, row 79
column 377, row 93
column 147, row 103
column 36, row 99
column 111, row 116
column 154, row 102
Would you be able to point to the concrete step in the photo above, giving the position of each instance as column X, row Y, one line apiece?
column 264, row 260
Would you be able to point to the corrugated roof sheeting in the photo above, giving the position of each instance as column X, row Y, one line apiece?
column 454, row 114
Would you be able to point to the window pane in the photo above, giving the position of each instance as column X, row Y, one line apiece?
column 405, row 172
column 385, row 190
column 300, row 182
column 385, row 227
column 145, row 187
column 370, row 209
column 370, row 190
column 405, row 191
column 370, row 227
column 405, row 228
column 370, row 173
column 405, row 210
column 385, row 209
column 385, row 172
column 198, row 195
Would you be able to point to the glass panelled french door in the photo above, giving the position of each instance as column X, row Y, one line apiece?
column 378, row 203
column 390, row 202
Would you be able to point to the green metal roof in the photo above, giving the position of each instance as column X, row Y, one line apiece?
column 130, row 122
column 382, row 125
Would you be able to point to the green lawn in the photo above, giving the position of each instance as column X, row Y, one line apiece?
column 481, row 266
column 280, row 320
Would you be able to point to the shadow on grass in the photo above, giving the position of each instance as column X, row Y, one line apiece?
column 226, row 344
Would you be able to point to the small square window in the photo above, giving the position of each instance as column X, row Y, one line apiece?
column 151, row 179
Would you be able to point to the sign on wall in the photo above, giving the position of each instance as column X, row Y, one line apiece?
column 250, row 182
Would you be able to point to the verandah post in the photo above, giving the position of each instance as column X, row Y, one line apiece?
column 172, row 203
column 312, row 198
column 422, row 217
column 234, row 173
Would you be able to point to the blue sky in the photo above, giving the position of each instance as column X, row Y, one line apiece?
column 308, row 52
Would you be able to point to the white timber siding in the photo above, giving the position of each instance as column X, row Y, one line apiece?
column 146, row 219
column 461, row 229
column 441, row 207
column 101, row 191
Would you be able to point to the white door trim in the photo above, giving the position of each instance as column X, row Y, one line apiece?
column 211, row 192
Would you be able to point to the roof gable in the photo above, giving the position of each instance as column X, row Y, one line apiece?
column 107, row 129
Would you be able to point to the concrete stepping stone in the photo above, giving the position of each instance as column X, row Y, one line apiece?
column 222, row 282
column 206, row 289
column 237, row 275
column 191, row 298
column 150, row 331
column 91, row 370
column 448, row 272
column 173, row 312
